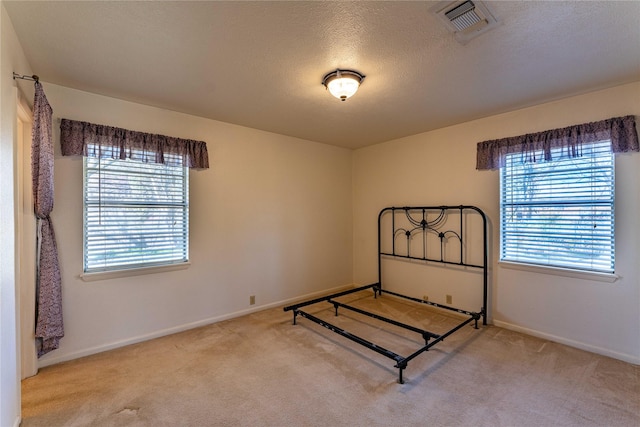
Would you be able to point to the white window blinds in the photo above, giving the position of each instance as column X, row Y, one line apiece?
column 560, row 213
column 135, row 214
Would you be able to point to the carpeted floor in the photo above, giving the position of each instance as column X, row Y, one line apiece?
column 260, row 370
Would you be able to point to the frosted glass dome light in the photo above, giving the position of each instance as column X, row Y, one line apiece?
column 342, row 83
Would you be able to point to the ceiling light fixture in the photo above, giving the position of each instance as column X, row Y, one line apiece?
column 342, row 83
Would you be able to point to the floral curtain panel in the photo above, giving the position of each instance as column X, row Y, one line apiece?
column 49, row 324
column 620, row 130
column 93, row 140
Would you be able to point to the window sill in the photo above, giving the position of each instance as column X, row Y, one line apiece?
column 557, row 271
column 116, row 274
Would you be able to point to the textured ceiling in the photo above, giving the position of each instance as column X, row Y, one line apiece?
column 260, row 64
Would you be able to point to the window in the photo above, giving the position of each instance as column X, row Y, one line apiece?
column 559, row 213
column 135, row 214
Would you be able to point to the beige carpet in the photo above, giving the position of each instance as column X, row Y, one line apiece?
column 260, row 370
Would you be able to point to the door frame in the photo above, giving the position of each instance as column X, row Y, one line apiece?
column 25, row 241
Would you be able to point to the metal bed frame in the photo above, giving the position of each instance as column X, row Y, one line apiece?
column 427, row 223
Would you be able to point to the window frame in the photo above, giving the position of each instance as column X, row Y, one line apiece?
column 124, row 270
column 549, row 267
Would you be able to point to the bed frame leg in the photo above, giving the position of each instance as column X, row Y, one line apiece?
column 401, row 365
column 295, row 314
column 376, row 291
column 476, row 317
column 335, row 306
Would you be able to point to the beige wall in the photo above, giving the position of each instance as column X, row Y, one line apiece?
column 270, row 218
column 438, row 167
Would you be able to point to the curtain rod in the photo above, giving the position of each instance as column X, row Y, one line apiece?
column 33, row 78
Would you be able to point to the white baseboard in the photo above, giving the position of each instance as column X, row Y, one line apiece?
column 571, row 343
column 180, row 328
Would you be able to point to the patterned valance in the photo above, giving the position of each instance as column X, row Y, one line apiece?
column 620, row 130
column 92, row 140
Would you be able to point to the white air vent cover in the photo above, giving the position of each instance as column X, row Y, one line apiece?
column 466, row 19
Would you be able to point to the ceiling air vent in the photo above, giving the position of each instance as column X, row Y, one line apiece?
column 466, row 19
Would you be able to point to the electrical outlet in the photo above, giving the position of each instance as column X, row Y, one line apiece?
column 252, row 299
column 449, row 299
column 425, row 298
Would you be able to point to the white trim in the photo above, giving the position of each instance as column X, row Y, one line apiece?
column 630, row 358
column 558, row 271
column 184, row 327
column 116, row 274
column 25, row 242
column 24, row 110
column 17, row 422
